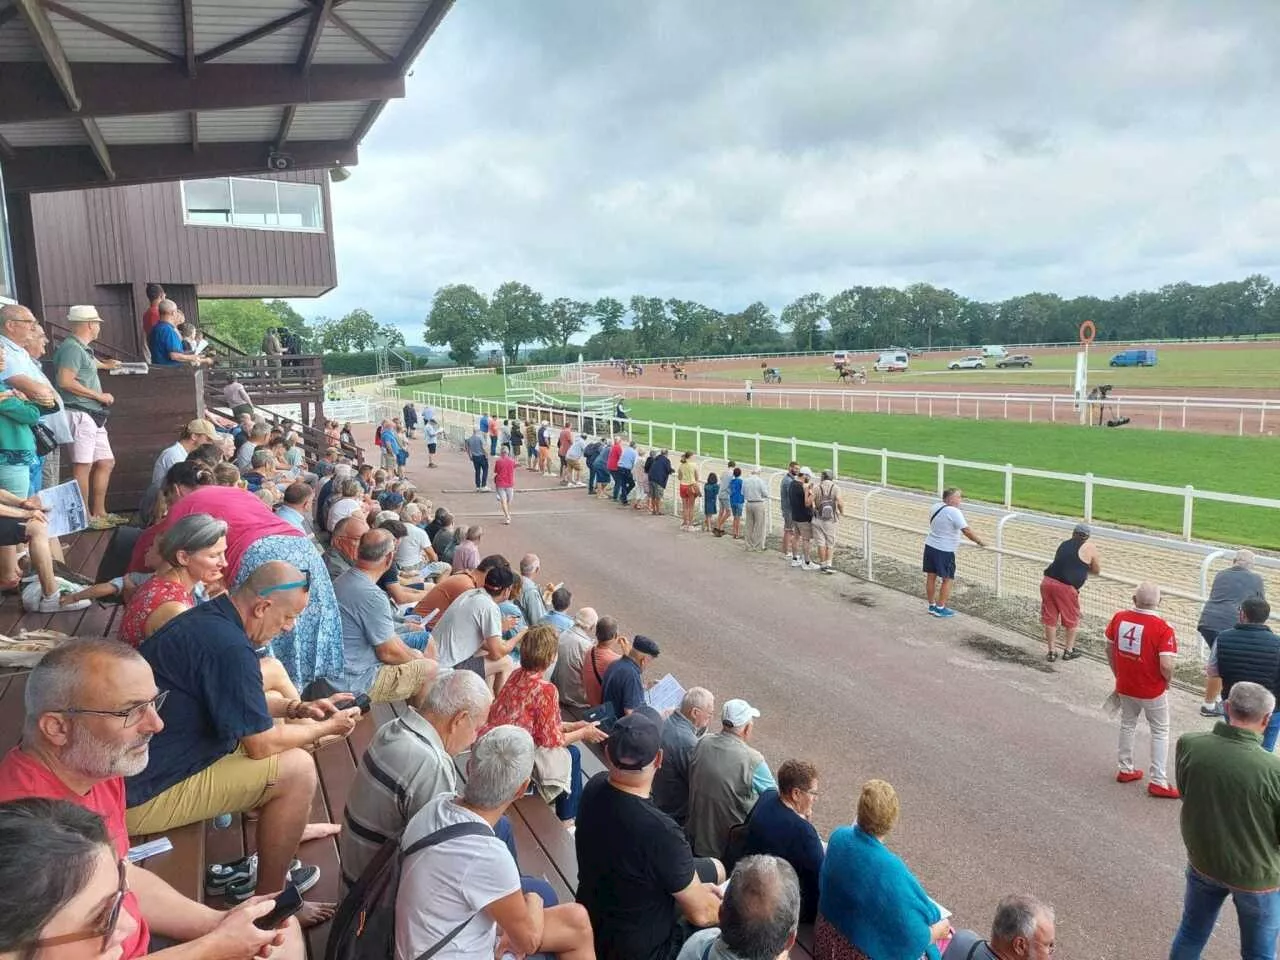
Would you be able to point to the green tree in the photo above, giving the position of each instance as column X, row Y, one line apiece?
column 459, row 317
column 565, row 317
column 804, row 317
column 243, row 323
column 608, row 312
column 355, row 331
column 651, row 325
column 392, row 334
column 517, row 315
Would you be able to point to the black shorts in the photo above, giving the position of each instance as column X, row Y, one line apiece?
column 940, row 562
column 431, row 448
column 12, row 532
column 474, row 664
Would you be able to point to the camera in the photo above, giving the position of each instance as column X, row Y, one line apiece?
column 1105, row 389
column 279, row 161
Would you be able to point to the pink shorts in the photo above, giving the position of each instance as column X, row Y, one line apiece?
column 89, row 443
column 1059, row 601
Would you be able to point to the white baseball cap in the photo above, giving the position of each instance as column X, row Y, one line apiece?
column 805, row 471
column 738, row 713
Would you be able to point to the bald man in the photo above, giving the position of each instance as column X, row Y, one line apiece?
column 225, row 747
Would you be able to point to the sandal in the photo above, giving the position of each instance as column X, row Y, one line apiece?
column 1071, row 654
column 1052, row 656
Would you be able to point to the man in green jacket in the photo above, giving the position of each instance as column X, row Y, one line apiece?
column 1231, row 826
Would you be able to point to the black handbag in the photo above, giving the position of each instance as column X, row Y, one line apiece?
column 46, row 443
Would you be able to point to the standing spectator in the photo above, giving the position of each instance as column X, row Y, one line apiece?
column 24, row 342
column 1141, row 649
column 467, row 554
column 828, row 508
column 608, row 649
column 544, row 449
column 736, row 501
column 493, row 436
column 272, row 348
column 1073, row 561
column 1231, row 827
column 479, row 459
column 870, row 902
column 504, row 482
column 573, row 460
column 722, row 498
column 572, row 647
column 532, row 436
column 687, row 477
column 946, row 526
column 759, row 917
column 680, row 733
column 1023, row 928
column 625, row 478
column 623, row 686
column 151, row 316
column 76, row 375
column 410, row 418
column 726, row 775
column 466, row 887
column 237, row 397
column 710, row 502
column 784, row 505
column 166, row 345
column 431, row 434
column 640, row 479
column 660, row 471
column 637, row 876
column 600, row 473
column 779, row 825
column 517, row 439
column 563, row 442
column 755, row 493
column 17, row 441
column 801, row 495
column 1231, row 587
column 1249, row 651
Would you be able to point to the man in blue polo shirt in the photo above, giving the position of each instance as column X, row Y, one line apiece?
column 166, row 344
column 221, row 749
column 624, row 680
column 624, row 477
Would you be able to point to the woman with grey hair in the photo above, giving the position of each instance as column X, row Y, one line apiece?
column 192, row 554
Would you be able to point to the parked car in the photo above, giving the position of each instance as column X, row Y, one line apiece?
column 1134, row 358
column 892, row 361
column 1014, row 360
column 967, row 363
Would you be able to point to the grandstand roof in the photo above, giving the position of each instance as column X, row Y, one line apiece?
column 95, row 92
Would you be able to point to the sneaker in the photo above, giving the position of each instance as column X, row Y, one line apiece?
column 828, row 569
column 1212, row 710
column 933, row 610
column 810, row 565
column 101, row 523
column 221, row 877
column 304, row 877
column 796, row 562
column 943, row 612
column 1164, row 791
column 1128, row 776
column 54, row 604
column 1072, row 654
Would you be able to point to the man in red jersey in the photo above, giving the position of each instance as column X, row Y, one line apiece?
column 1141, row 649
column 92, row 708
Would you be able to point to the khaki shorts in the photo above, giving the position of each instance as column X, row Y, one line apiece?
column 802, row 529
column 89, row 443
column 824, row 533
column 234, row 784
column 399, row 681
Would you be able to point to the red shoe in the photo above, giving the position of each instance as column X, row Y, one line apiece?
column 1160, row 790
column 1128, row 776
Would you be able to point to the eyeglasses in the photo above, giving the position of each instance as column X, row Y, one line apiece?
column 304, row 583
column 132, row 716
column 105, row 929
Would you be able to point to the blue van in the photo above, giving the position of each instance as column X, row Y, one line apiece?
column 1134, row 358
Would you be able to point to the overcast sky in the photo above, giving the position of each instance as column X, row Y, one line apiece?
column 736, row 150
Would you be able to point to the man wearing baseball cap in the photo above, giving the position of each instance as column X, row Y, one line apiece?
column 623, row 685
column 637, row 875
column 725, row 778
column 1073, row 561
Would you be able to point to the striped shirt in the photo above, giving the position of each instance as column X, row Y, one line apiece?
column 405, row 766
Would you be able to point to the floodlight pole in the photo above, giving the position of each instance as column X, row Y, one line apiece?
column 506, row 392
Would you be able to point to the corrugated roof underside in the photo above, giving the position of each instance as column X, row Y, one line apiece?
column 146, row 128
column 327, row 121
column 386, row 23
column 226, row 126
column 40, row 133
column 156, row 21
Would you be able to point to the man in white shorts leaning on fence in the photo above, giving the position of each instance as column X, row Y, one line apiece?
column 946, row 526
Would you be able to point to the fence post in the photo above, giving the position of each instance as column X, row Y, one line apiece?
column 650, row 423
column 1008, row 485
column 793, row 448
column 1053, row 407
column 977, row 408
column 1088, row 498
column 1188, row 507
column 884, row 467
column 942, row 461
column 1184, row 413
column 725, row 435
column 673, row 437
column 757, row 449
column 835, row 461
column 697, row 440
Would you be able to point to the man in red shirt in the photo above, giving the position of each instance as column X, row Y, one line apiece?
column 1142, row 648
column 563, row 444
column 504, row 481
column 92, row 708
column 151, row 316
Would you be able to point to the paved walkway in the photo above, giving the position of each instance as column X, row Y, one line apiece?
column 1004, row 765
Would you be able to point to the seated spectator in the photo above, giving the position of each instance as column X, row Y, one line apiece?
column 340, row 555
column 221, row 750
column 449, row 588
column 376, row 660
column 469, row 635
column 467, row 888
column 467, row 554
column 437, row 521
column 623, row 687
column 349, row 502
column 409, row 762
column 445, row 539
column 637, row 876
column 558, row 616
column 512, row 619
column 1023, row 929
column 22, row 520
column 726, row 775
column 194, row 434
column 258, row 436
column 92, row 706
column 327, row 463
column 413, row 551
column 870, row 902
column 531, row 598
column 529, row 701
column 759, row 917
column 261, row 472
column 571, row 651
column 780, row 825
column 326, row 494
column 296, row 506
column 194, row 551
column 680, row 734
column 401, row 593
column 608, row 649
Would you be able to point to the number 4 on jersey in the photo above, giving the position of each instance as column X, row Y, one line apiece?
column 1129, row 638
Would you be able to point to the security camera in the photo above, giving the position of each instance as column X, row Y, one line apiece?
column 279, row 161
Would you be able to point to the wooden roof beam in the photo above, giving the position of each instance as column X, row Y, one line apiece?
column 319, row 15
column 99, row 146
column 55, row 58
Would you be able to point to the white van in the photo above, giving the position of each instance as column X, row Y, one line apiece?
column 895, row 360
column 994, row 352
column 840, row 357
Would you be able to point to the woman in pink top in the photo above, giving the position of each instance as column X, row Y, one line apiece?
column 194, row 552
column 504, row 481
column 255, row 535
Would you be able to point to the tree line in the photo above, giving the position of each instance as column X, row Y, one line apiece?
column 243, row 324
column 516, row 316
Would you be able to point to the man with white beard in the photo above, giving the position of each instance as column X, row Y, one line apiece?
column 91, row 709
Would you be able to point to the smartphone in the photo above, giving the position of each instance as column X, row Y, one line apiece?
column 288, row 902
column 360, row 700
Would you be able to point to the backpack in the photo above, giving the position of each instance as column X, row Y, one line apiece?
column 827, row 501
column 364, row 928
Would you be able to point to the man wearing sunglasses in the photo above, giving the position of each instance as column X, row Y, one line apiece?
column 226, row 747
column 92, row 710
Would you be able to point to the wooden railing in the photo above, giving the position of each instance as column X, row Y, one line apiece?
column 272, row 379
column 314, row 440
column 59, row 332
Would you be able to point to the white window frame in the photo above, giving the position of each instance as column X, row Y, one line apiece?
column 186, row 219
column 8, row 276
